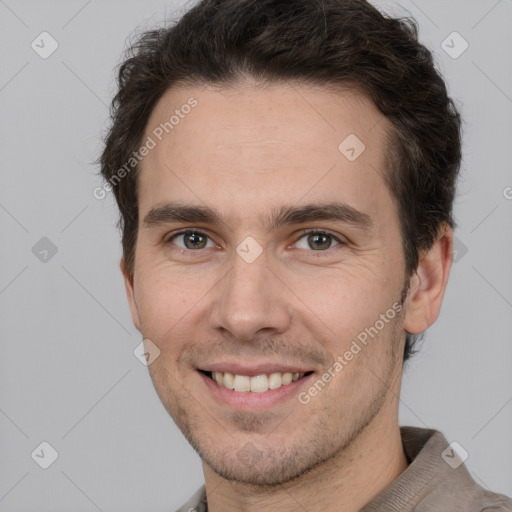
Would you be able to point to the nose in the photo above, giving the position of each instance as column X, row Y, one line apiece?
column 251, row 301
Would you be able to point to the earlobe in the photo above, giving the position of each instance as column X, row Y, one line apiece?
column 428, row 284
column 130, row 294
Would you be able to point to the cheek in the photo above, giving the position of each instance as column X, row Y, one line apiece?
column 161, row 300
column 171, row 303
column 345, row 301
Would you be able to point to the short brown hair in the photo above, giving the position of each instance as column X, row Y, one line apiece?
column 326, row 42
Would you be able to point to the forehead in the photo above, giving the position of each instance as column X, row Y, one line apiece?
column 257, row 145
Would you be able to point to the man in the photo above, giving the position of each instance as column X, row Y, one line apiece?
column 285, row 173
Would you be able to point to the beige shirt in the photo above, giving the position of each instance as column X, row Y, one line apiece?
column 436, row 480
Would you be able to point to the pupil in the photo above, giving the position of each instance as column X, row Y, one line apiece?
column 313, row 239
column 195, row 239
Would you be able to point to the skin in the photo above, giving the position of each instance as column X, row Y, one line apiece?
column 244, row 150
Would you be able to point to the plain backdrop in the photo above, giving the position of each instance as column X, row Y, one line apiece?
column 68, row 375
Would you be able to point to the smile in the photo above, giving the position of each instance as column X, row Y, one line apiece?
column 255, row 384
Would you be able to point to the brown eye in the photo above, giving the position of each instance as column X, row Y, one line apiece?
column 191, row 240
column 317, row 240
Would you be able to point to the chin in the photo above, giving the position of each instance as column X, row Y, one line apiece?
column 272, row 469
column 260, row 460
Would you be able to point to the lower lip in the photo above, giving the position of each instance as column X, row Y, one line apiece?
column 250, row 401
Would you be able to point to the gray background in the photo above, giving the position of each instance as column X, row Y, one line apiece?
column 68, row 373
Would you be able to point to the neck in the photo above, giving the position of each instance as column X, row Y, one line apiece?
column 351, row 478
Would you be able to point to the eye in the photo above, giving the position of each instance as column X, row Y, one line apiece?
column 191, row 240
column 317, row 240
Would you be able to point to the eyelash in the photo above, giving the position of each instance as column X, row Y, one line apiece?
column 302, row 234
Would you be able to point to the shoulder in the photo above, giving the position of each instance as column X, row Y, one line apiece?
column 437, row 478
column 197, row 503
column 487, row 501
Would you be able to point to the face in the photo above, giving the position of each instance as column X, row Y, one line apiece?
column 267, row 249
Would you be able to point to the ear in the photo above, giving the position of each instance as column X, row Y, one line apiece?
column 428, row 283
column 128, row 283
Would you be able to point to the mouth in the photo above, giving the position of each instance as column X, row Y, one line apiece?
column 260, row 383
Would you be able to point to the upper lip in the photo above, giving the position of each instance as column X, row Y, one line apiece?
column 254, row 369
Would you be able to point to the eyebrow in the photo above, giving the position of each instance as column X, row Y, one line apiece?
column 282, row 216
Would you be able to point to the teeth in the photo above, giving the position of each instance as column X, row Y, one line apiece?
column 275, row 381
column 286, row 378
column 229, row 380
column 242, row 383
column 219, row 378
column 259, row 384
column 256, row 384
